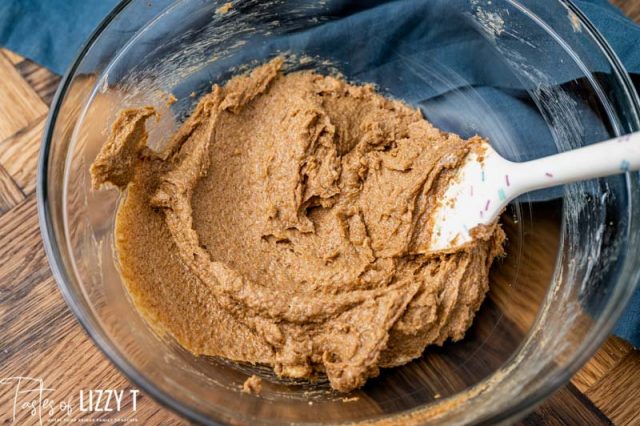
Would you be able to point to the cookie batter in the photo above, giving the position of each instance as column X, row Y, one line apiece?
column 286, row 223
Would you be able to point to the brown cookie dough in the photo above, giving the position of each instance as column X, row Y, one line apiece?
column 252, row 385
column 286, row 223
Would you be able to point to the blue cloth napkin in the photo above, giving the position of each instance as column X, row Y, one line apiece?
column 50, row 32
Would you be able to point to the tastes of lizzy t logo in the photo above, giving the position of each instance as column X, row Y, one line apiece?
column 29, row 398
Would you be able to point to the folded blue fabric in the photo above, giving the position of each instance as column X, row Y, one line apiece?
column 50, row 32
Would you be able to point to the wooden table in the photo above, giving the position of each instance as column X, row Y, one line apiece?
column 40, row 338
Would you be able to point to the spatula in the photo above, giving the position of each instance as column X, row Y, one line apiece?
column 487, row 182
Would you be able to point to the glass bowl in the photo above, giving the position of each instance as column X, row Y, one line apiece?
column 570, row 267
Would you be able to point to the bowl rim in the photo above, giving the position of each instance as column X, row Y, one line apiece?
column 584, row 352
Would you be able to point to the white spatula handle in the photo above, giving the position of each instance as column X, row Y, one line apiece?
column 607, row 158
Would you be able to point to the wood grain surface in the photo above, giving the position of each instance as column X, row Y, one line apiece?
column 40, row 338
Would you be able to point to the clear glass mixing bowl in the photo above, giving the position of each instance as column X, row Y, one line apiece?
column 571, row 265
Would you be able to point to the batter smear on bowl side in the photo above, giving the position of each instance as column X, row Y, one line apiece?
column 286, row 224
